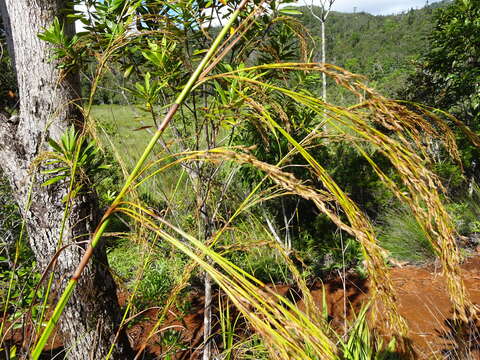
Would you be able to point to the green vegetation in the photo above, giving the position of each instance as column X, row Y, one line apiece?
column 382, row 48
column 8, row 86
column 403, row 236
column 228, row 172
column 448, row 73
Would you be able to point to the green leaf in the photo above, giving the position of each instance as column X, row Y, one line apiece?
column 198, row 52
column 55, row 145
column 128, row 71
column 54, row 180
column 147, row 82
column 140, row 88
column 54, row 171
column 114, row 5
column 290, row 11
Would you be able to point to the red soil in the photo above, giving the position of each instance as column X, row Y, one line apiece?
column 422, row 301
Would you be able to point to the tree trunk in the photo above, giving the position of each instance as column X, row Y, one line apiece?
column 88, row 324
column 324, row 77
column 325, row 7
column 207, row 319
column 205, row 227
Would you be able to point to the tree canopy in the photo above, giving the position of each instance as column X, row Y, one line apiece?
column 448, row 75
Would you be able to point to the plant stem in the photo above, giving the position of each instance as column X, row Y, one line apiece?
column 105, row 220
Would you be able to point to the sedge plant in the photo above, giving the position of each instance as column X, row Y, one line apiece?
column 287, row 331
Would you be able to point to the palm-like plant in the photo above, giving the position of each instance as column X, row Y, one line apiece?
column 73, row 152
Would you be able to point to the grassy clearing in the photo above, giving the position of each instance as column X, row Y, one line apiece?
column 124, row 136
column 120, row 122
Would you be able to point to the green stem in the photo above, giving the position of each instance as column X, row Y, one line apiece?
column 54, row 319
column 105, row 220
column 66, row 212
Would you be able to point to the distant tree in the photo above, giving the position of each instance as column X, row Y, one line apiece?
column 325, row 7
column 448, row 76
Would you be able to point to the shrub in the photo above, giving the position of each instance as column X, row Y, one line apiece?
column 402, row 235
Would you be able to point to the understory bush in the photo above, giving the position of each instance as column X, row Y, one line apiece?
column 401, row 234
column 148, row 273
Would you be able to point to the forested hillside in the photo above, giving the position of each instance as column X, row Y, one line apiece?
column 383, row 48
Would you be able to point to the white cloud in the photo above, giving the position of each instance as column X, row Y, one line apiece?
column 376, row 7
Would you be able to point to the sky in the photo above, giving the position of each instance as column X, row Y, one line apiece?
column 376, row 7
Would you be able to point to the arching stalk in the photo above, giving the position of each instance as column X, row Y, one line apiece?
column 106, row 217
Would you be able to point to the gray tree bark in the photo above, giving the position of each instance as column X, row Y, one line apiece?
column 47, row 97
column 324, row 76
column 325, row 7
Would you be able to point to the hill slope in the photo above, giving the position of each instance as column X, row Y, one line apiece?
column 383, row 48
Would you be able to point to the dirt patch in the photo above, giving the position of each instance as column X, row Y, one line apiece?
column 20, row 334
column 422, row 300
column 180, row 335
